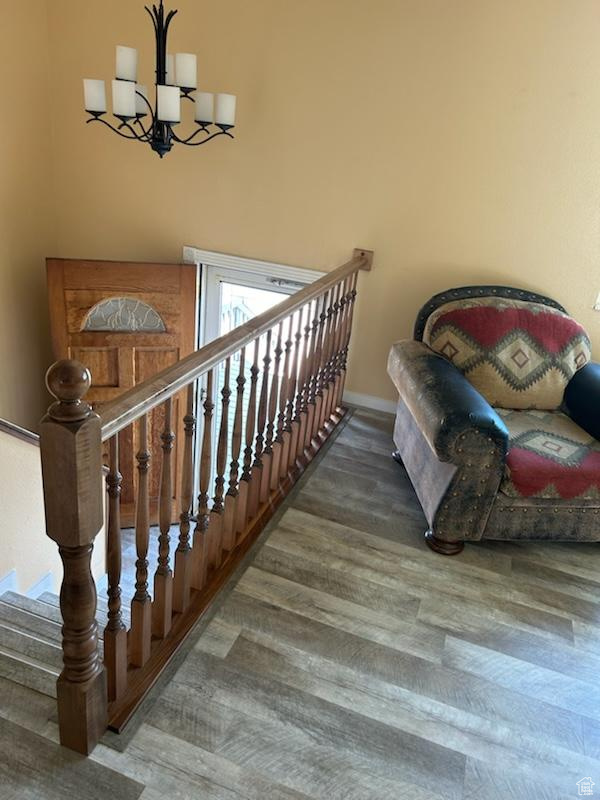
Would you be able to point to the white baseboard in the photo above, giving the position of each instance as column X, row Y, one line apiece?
column 370, row 401
column 9, row 582
column 45, row 584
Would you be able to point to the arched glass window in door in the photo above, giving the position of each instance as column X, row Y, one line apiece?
column 124, row 315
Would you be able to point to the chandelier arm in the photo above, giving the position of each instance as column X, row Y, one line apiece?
column 126, row 125
column 208, row 139
column 135, row 137
column 189, row 138
column 145, row 99
column 147, row 134
column 152, row 17
column 168, row 20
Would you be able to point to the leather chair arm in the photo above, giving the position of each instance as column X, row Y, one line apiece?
column 582, row 399
column 443, row 403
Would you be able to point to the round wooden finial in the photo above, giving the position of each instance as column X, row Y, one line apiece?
column 68, row 381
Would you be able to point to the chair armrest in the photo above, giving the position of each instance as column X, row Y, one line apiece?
column 582, row 399
column 443, row 403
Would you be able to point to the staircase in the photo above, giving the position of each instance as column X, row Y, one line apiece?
column 30, row 641
column 31, row 636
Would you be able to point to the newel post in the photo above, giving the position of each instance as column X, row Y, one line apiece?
column 70, row 439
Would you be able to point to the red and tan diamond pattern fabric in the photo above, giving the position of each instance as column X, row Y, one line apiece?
column 517, row 354
column 549, row 456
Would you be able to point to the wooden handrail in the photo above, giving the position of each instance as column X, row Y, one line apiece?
column 142, row 398
column 19, row 433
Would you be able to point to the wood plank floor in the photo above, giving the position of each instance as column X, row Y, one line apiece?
column 351, row 663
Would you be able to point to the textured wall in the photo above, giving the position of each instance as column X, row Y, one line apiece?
column 26, row 229
column 460, row 140
column 23, row 516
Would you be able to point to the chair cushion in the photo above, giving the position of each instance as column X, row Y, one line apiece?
column 517, row 354
column 549, row 456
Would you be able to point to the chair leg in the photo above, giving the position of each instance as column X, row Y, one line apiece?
column 442, row 546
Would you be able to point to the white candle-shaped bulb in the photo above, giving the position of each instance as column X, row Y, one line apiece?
column 123, row 93
column 225, row 109
column 141, row 106
column 186, row 70
column 94, row 95
column 127, row 63
column 169, row 104
column 170, row 77
column 205, row 107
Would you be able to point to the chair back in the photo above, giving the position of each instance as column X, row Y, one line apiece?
column 518, row 349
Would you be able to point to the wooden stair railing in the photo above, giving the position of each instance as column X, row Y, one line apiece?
column 276, row 383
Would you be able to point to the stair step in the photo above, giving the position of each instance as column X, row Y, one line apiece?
column 28, row 672
column 101, row 609
column 30, row 646
column 32, row 623
column 43, row 610
column 50, row 599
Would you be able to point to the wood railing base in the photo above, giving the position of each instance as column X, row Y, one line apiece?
column 82, row 717
column 140, row 682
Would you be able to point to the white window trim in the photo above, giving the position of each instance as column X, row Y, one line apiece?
column 222, row 267
column 194, row 255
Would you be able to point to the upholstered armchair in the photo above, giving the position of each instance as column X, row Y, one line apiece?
column 498, row 418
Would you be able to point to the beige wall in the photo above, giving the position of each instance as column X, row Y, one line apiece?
column 26, row 229
column 23, row 520
column 459, row 139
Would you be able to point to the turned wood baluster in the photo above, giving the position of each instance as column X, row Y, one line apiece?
column 320, row 371
column 280, row 438
column 337, row 364
column 268, row 454
column 241, row 515
column 315, row 371
column 70, row 442
column 333, row 340
column 183, row 555
column 303, row 394
column 257, row 467
column 140, row 635
column 346, row 341
column 296, row 400
column 201, row 550
column 115, row 633
column 215, row 529
column 229, row 519
column 330, row 334
column 162, row 607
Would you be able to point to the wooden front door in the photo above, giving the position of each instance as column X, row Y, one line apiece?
column 126, row 321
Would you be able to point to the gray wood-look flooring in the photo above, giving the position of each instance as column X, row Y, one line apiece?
column 349, row 663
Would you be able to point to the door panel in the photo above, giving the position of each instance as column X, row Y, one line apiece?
column 126, row 321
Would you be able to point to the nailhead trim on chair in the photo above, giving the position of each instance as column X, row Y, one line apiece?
column 445, row 513
column 461, row 292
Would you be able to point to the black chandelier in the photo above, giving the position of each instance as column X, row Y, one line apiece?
column 176, row 80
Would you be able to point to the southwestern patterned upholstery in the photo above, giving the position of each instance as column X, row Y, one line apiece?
column 518, row 354
column 549, row 455
column 497, row 422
